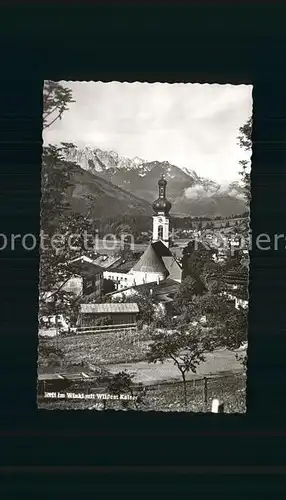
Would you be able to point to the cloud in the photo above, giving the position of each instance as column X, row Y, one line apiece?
column 190, row 125
column 236, row 194
column 199, row 191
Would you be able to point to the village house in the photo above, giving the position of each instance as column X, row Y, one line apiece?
column 119, row 272
column 113, row 313
column 235, row 281
column 162, row 293
column 87, row 278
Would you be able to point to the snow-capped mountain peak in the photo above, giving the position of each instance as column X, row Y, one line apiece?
column 189, row 193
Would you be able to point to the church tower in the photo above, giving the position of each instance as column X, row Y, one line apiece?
column 161, row 219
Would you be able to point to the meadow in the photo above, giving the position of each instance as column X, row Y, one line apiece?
column 168, row 397
column 103, row 348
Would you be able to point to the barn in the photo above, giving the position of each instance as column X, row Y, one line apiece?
column 114, row 314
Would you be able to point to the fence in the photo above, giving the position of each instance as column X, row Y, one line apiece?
column 203, row 391
column 228, row 388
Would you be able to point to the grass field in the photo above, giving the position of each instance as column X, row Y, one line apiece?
column 102, row 348
column 230, row 389
column 117, row 352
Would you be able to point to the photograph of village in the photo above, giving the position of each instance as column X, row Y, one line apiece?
column 144, row 247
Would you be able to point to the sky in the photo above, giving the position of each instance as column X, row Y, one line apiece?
column 194, row 126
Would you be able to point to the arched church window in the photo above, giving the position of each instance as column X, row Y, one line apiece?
column 160, row 232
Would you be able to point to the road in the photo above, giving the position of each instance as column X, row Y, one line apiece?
column 217, row 362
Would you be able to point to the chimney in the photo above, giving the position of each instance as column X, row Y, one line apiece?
column 158, row 280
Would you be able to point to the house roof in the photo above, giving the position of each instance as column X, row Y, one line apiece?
column 84, row 268
column 83, row 258
column 106, row 261
column 166, row 288
column 109, row 308
column 239, row 277
column 151, row 262
column 124, row 266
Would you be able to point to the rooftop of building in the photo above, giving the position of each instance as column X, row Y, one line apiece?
column 85, row 268
column 109, row 308
column 106, row 261
column 124, row 266
column 162, row 292
column 158, row 259
column 237, row 276
column 151, row 262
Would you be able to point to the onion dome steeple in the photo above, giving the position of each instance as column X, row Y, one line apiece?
column 162, row 205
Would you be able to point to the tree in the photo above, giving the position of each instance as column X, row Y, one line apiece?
column 197, row 260
column 54, row 201
column 57, row 303
column 56, row 180
column 244, row 141
column 49, row 354
column 126, row 253
column 225, row 325
column 58, row 220
column 186, row 348
column 56, row 99
column 122, row 384
column 189, row 287
column 58, row 224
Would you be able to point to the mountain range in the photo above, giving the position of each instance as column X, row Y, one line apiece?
column 124, row 185
column 106, row 199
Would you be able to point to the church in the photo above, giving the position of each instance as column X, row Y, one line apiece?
column 156, row 268
column 157, row 264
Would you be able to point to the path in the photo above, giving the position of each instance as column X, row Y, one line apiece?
column 217, row 362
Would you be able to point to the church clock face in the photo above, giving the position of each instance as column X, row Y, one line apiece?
column 160, row 220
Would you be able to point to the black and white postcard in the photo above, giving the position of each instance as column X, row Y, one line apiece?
column 145, row 234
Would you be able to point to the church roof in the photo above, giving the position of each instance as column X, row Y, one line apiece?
column 162, row 204
column 161, row 249
column 172, row 266
column 151, row 262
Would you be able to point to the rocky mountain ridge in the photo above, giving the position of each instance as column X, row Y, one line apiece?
column 189, row 193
